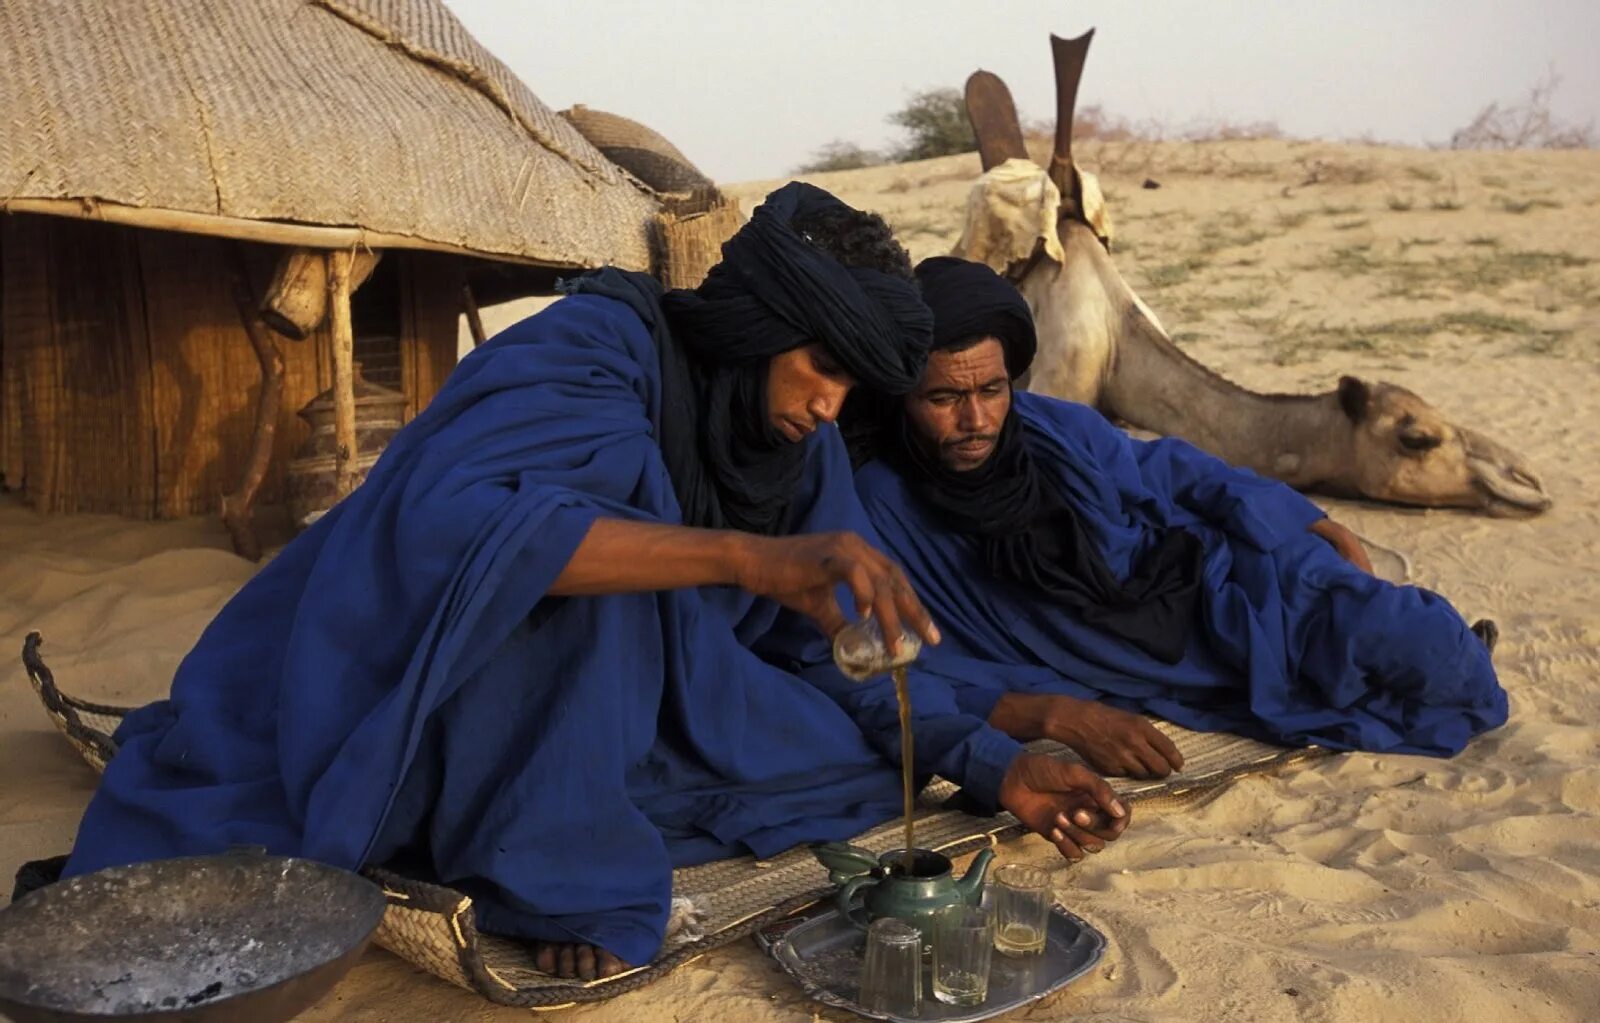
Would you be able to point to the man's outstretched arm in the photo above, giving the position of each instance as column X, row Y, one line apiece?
column 800, row 572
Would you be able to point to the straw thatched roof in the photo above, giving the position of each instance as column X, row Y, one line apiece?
column 302, row 122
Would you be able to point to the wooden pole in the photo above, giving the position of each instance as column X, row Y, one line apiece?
column 344, row 393
column 469, row 303
column 296, row 302
column 238, row 507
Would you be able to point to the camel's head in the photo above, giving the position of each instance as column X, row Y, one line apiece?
column 1407, row 452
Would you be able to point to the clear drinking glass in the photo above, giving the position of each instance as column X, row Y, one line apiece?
column 860, row 652
column 962, row 949
column 891, row 977
column 1022, row 898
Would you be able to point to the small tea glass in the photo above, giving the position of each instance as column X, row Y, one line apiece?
column 891, row 976
column 1021, row 898
column 860, row 651
column 962, row 950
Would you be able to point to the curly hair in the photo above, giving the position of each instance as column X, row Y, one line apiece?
column 856, row 239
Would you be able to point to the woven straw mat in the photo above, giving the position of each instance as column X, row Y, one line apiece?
column 432, row 926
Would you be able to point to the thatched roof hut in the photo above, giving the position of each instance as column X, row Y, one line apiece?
column 154, row 152
column 325, row 123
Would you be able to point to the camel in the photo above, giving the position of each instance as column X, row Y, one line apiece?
column 1099, row 344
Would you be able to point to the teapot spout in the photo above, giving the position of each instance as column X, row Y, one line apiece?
column 844, row 860
column 971, row 886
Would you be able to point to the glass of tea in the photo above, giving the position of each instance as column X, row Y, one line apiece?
column 1021, row 896
column 860, row 651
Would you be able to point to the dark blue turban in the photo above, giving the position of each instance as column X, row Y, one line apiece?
column 773, row 291
column 970, row 302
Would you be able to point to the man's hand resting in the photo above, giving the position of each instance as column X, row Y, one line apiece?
column 1068, row 804
column 800, row 572
column 1110, row 740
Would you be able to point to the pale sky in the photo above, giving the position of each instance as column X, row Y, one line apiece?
column 750, row 88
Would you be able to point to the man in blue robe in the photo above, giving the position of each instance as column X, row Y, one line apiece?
column 551, row 648
column 1100, row 575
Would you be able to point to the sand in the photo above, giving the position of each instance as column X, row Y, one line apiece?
column 1366, row 888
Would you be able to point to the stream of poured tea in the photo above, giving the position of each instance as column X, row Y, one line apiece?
column 902, row 695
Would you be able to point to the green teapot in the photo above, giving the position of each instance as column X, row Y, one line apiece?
column 873, row 886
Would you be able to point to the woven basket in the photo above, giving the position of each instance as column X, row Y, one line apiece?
column 686, row 236
column 432, row 926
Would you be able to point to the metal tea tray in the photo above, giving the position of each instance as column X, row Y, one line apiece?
column 824, row 954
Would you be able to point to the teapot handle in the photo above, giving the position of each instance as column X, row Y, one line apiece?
column 851, row 908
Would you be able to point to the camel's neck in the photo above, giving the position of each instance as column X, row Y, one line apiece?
column 1303, row 440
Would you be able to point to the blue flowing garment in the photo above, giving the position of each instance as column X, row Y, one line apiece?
column 1296, row 645
column 396, row 684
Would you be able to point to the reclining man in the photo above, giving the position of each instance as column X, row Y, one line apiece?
column 549, row 649
column 1097, row 572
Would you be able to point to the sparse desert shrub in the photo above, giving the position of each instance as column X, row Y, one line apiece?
column 1230, row 131
column 1510, row 205
column 840, row 155
column 1529, row 124
column 1094, row 123
column 1336, row 172
column 936, row 122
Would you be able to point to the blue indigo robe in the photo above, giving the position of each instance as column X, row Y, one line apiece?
column 1295, row 646
column 396, row 685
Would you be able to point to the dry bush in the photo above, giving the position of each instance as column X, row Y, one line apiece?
column 1094, row 123
column 1229, row 131
column 901, row 185
column 1318, row 171
column 1526, row 125
column 839, row 155
column 935, row 123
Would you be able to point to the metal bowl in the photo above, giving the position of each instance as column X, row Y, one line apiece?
column 242, row 937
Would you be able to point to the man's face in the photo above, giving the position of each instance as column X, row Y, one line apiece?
column 958, row 408
column 806, row 386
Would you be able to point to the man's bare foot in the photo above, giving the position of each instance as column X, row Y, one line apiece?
column 1112, row 741
column 572, row 960
column 1486, row 630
